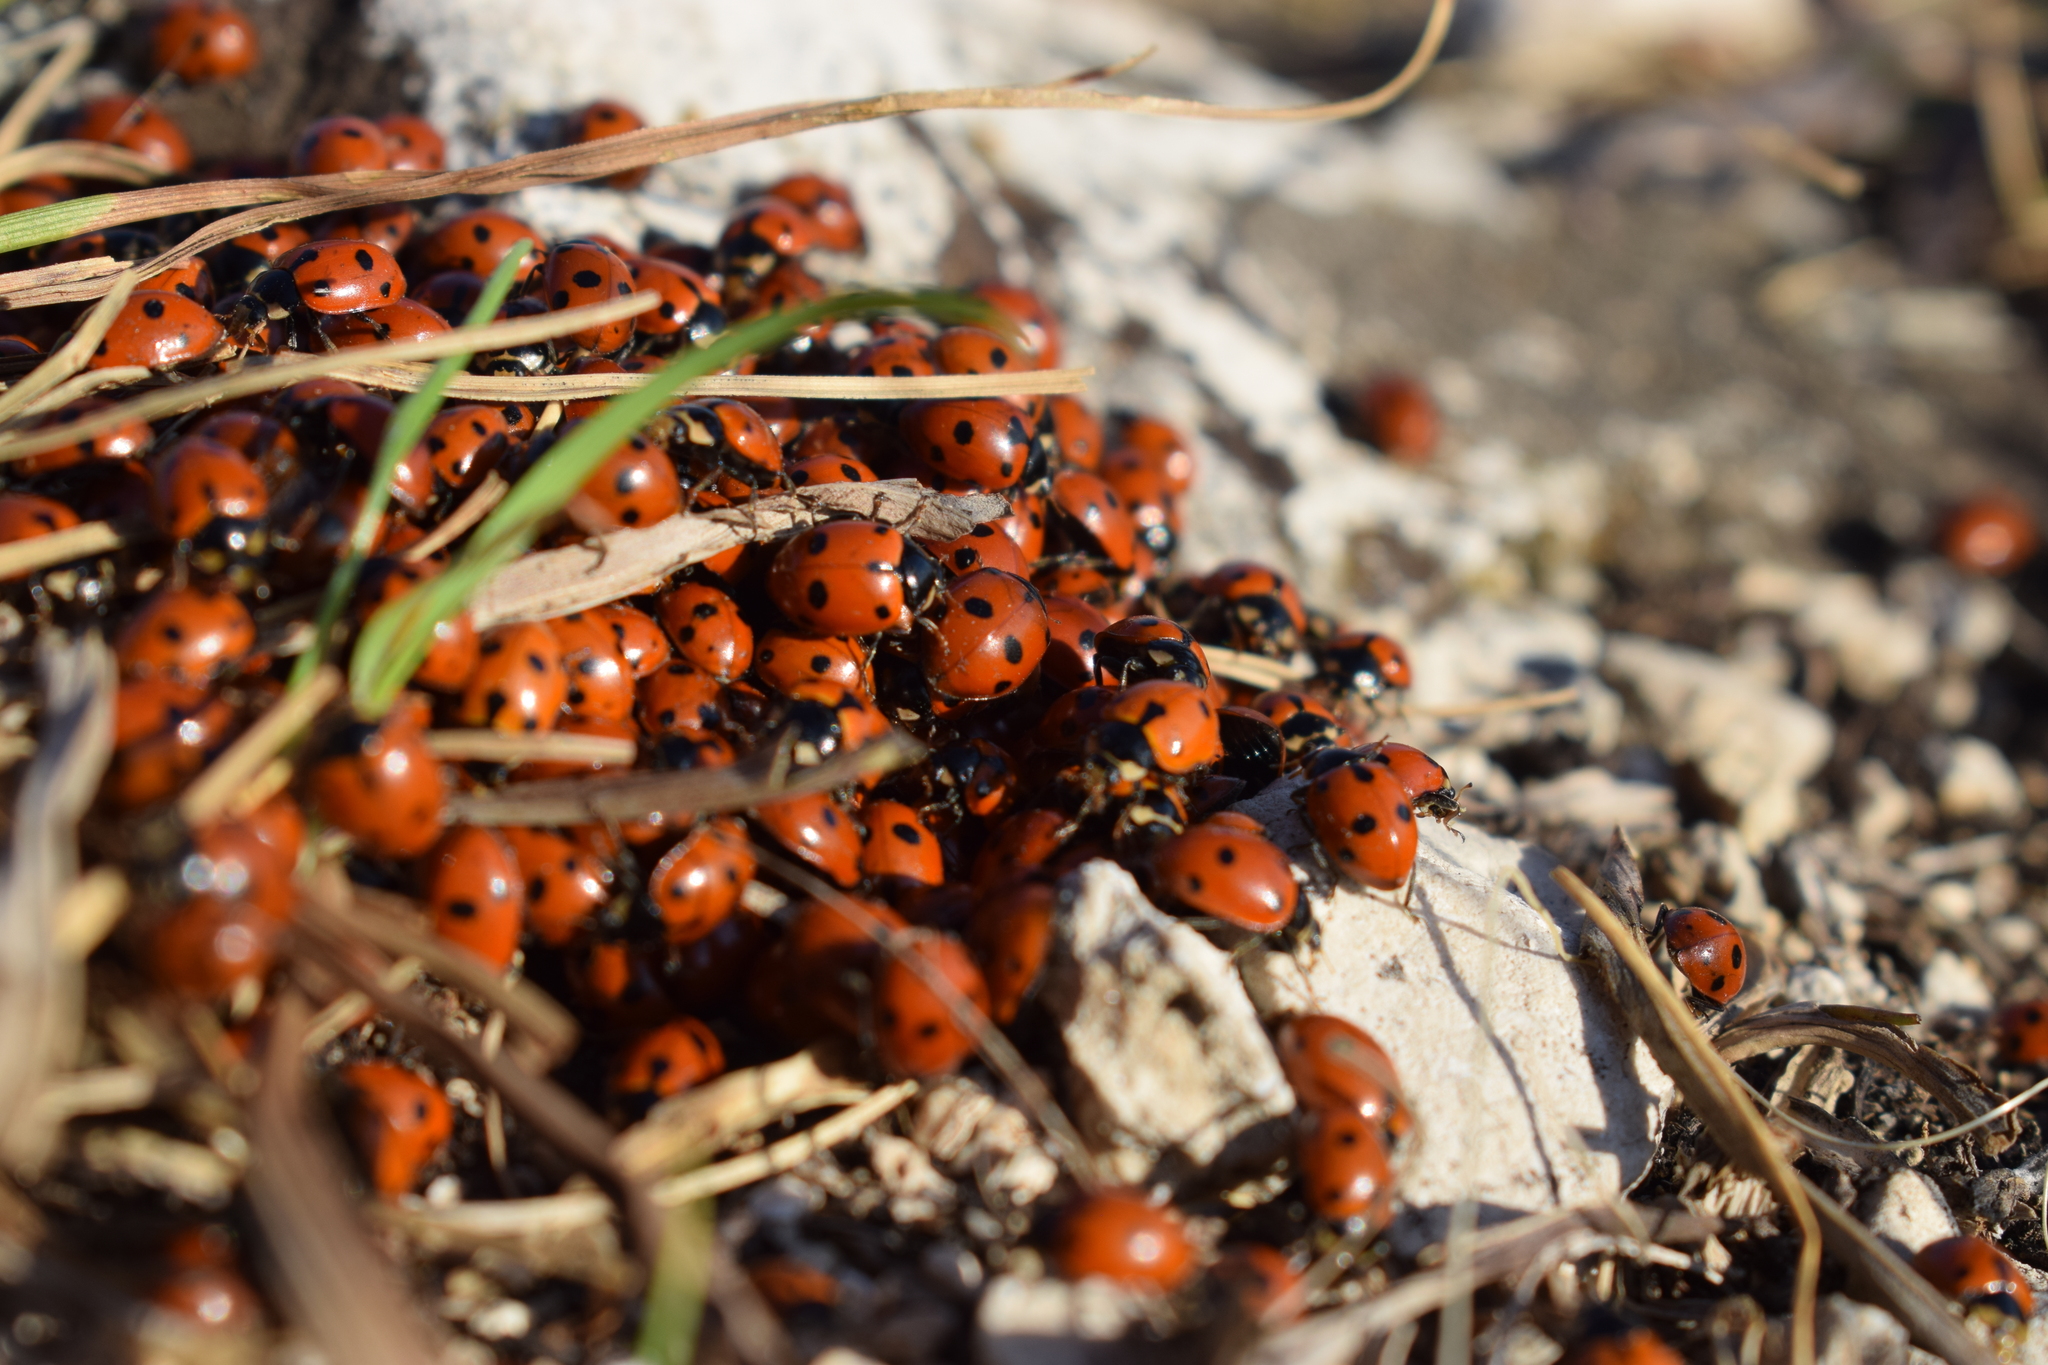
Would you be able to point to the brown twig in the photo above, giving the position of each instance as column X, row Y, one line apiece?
column 496, row 746
column 215, row 789
column 849, row 388
column 59, row 547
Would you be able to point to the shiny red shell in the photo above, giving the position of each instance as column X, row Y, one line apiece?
column 1233, row 874
column 475, row 242
column 579, row 273
column 471, row 884
column 330, row 146
column 609, row 118
column 382, row 786
column 190, row 633
column 1040, row 328
column 916, row 1032
column 1334, row 1064
column 817, row 831
column 707, row 629
column 678, row 699
column 343, row 276
column 1708, row 950
column 518, row 685
column 697, row 883
column 1011, row 935
column 1175, row 719
column 983, row 441
column 1970, row 1268
column 1364, row 822
column 150, row 134
column 1097, row 514
column 1399, row 416
column 1122, row 1236
column 667, row 1061
column 635, row 486
column 566, row 884
column 830, row 206
column 899, row 845
column 198, row 479
column 985, row 546
column 203, row 40
column 1991, row 535
column 984, row 636
column 1342, row 1161
column 159, row 329
column 212, row 948
column 411, row 143
column 843, row 578
column 400, row 1121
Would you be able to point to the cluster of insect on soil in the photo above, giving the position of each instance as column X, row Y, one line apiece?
column 1054, row 668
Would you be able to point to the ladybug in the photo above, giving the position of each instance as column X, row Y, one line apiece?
column 198, row 480
column 1622, row 1345
column 830, row 207
column 707, row 629
column 148, row 131
column 697, row 883
column 900, row 849
column 635, row 486
column 819, row 720
column 972, row 777
column 983, row 441
column 160, row 330
column 189, row 277
column 400, row 1121
column 475, row 242
column 1077, row 431
column 728, row 448
column 191, row 633
column 2022, row 1030
column 784, row 661
column 453, row 655
column 399, row 320
column 818, row 832
column 985, row 635
column 1362, row 821
column 790, row 1284
column 229, row 859
column 973, row 350
column 895, row 357
column 1021, row 845
column 609, row 118
column 411, row 143
column 388, row 225
column 1396, row 414
column 518, row 684
column 828, row 469
column 1122, row 1236
column 690, row 308
column 161, row 744
column 571, row 723
column 1990, row 535
column 1148, row 495
column 1362, row 664
column 266, row 442
column 463, row 443
column 1076, row 627
column 640, row 640
column 1095, row 517
column 581, row 272
column 1976, row 1274
column 1227, row 872
column 788, row 286
column 1306, row 726
column 1333, row 1064
column 472, row 884
column 1424, row 779
column 127, row 441
column 1708, row 949
column 1262, row 1279
column 1143, row 648
column 381, row 785
column 678, row 699
column 213, row 948
column 238, row 261
column 1345, row 1174
column 1011, row 935
column 851, row 578
column 1037, row 326
column 916, row 1032
column 665, row 1061
column 983, row 547
column 1261, row 611
column 761, row 234
column 332, row 146
column 210, row 1298
column 338, row 276
column 566, row 885
column 24, row 516
column 600, row 686
column 809, row 984
column 1154, row 727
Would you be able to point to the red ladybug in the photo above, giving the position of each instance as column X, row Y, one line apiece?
column 900, row 848
column 1424, row 779
column 666, row 1061
column 1628, row 1346
column 1261, row 610
column 1362, row 664
column 411, row 143
column 151, row 765
column 213, row 948
column 816, row 830
column 400, row 1121
column 809, row 984
column 198, row 480
column 974, row 350
column 1975, row 1273
column 894, row 357
column 916, row 1033
column 24, row 516
column 230, row 860
column 399, row 320
column 1158, row 726
column 2021, row 1030
column 983, row 547
column 1011, row 935
column 1122, row 1236
column 190, row 633
column 1362, row 820
column 851, row 578
column 382, row 785
column 1075, row 628
column 518, row 684
column 985, row 635
column 784, row 661
column 972, row 777
column 1262, row 1279
column 1096, row 516
column 830, row 206
column 1342, row 1160
column 330, row 146
column 635, row 486
column 761, row 234
column 1078, row 432
column 388, row 225
column 266, row 442
column 601, row 687
column 1397, row 414
column 678, row 699
column 1991, row 535
column 203, row 40
column 463, row 443
column 1228, row 872
column 828, row 469
column 640, row 641
column 1708, row 949
column 189, row 277
column 454, row 653
column 1142, row 648
column 476, row 242
column 727, row 448
column 472, row 884
column 158, row 329
column 149, row 133
column 1306, row 726
column 343, row 276
column 1040, row 329
column 983, row 441
column 127, row 441
column 1333, row 1064
column 707, row 629
column 609, row 118
column 582, row 272
column 698, row 882
column 1148, row 494
column 690, row 307
column 566, row 884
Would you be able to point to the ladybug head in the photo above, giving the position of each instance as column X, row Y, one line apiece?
column 1262, row 622
column 229, row 548
column 921, row 577
column 278, row 291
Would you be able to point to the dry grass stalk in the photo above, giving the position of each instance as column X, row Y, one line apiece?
column 859, row 388
column 92, row 381
column 785, row 1155
column 611, row 566
column 472, row 510
column 1495, row 706
column 213, row 790
column 74, row 39
column 59, row 547
column 713, row 1116
column 495, row 746
column 85, row 160
column 88, row 913
column 333, row 1281
column 1254, row 670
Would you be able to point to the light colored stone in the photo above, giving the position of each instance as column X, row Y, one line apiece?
column 1906, row 1209
column 1165, row 1047
column 1973, row 781
column 1487, row 649
column 1466, row 992
column 1953, row 984
column 973, row 1135
column 1053, row 1322
column 1754, row 745
column 1565, row 49
column 1883, row 805
column 1949, row 903
column 1878, row 645
column 1845, row 1332
column 2015, row 936
column 1597, row 798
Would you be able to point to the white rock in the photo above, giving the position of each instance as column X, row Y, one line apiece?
column 917, row 1192
column 1883, row 805
column 1561, row 48
column 1953, row 984
column 1597, row 798
column 1753, row 745
column 1573, row 1102
column 1735, row 880
column 2015, row 936
column 1973, row 780
column 1053, row 1322
column 1846, row 1332
column 1973, row 617
column 1161, row 1038
column 501, row 1320
column 1963, row 329
column 1907, row 1210
column 1949, row 903
column 1488, row 649
column 973, row 1135
column 1880, row 647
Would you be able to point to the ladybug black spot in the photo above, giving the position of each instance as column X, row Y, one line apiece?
column 481, row 232
column 998, row 357
column 1735, row 957
column 1226, row 855
column 816, row 594
column 560, row 299
column 462, row 909
column 1719, row 984
column 1013, row 649
column 980, row 607
column 1402, row 813
column 963, row 432
column 364, row 260
column 907, row 832
column 586, row 279
column 153, row 308
column 1364, row 823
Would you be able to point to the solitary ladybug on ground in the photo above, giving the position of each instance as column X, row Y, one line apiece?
column 1708, row 949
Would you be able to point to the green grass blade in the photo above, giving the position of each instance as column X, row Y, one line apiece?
column 394, row 643
column 674, row 1308
column 51, row 222
column 407, row 425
